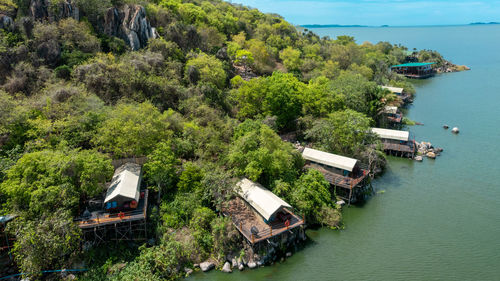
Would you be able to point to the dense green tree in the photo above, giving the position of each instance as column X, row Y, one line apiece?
column 259, row 154
column 209, row 70
column 344, row 132
column 277, row 95
column 161, row 168
column 190, row 178
column 45, row 243
column 42, row 182
column 134, row 130
column 291, row 58
column 312, row 197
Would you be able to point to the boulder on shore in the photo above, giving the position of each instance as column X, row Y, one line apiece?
column 252, row 265
column 241, row 267
column 206, row 266
column 431, row 155
column 227, row 267
column 188, row 271
column 419, row 158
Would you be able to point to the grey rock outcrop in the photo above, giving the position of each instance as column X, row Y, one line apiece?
column 129, row 23
column 6, row 22
column 39, row 10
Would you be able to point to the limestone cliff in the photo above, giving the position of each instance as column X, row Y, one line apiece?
column 129, row 23
column 40, row 10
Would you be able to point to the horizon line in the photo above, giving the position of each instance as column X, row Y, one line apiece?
column 387, row 25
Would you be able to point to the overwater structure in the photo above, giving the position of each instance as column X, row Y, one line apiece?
column 348, row 176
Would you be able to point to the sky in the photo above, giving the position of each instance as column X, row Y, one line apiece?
column 380, row 12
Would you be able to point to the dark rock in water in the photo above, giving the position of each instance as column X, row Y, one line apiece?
column 446, row 127
column 129, row 23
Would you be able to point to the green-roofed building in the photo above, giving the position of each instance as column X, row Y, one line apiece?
column 415, row 69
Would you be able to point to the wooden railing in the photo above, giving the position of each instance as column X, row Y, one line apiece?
column 104, row 218
column 270, row 231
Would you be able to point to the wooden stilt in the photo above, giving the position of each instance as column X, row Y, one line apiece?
column 350, row 195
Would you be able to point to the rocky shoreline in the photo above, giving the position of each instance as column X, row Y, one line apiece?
column 449, row 67
column 275, row 250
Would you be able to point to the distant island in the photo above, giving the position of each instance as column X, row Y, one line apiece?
column 484, row 23
column 330, row 25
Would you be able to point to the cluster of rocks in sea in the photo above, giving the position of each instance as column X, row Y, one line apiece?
column 455, row 130
column 428, row 150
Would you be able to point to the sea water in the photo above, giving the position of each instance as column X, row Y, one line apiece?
column 435, row 220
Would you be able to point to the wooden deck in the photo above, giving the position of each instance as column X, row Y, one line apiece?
column 103, row 219
column 407, row 148
column 243, row 218
column 339, row 180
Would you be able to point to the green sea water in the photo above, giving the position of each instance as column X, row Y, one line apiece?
column 435, row 220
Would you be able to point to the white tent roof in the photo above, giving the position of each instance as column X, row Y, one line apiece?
column 392, row 134
column 393, row 89
column 125, row 183
column 260, row 198
column 329, row 159
column 391, row 109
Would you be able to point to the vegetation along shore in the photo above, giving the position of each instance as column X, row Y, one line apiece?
column 144, row 139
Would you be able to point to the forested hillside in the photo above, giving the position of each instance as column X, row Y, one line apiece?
column 204, row 89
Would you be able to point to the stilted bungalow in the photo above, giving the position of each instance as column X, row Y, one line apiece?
column 396, row 142
column 6, row 241
column 345, row 174
column 123, row 213
column 405, row 98
column 393, row 115
column 418, row 70
column 260, row 215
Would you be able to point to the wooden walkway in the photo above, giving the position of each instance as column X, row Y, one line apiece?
column 107, row 219
column 244, row 218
